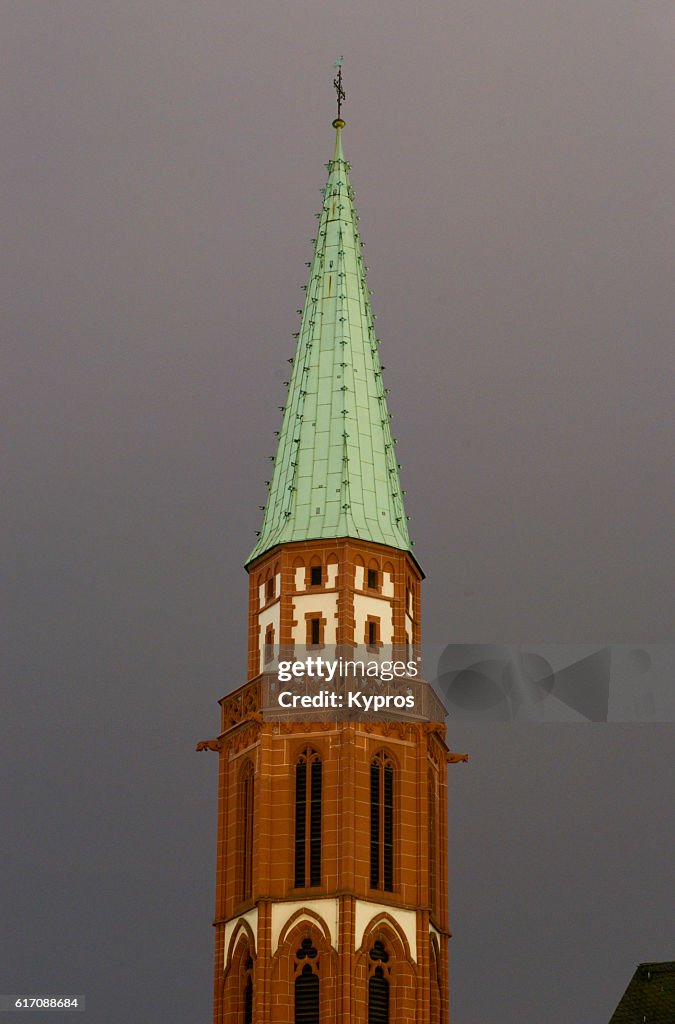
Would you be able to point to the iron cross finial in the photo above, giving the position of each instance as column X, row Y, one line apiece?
column 337, row 82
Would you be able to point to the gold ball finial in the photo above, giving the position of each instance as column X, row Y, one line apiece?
column 338, row 123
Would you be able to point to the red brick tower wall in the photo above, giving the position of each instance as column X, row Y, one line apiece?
column 360, row 939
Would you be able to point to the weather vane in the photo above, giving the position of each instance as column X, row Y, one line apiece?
column 337, row 82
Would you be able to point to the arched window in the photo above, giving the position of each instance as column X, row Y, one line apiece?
column 435, row 986
column 306, row 984
column 238, row 983
column 308, row 781
column 248, row 991
column 378, row 985
column 382, row 822
column 246, row 831
column 248, row 1002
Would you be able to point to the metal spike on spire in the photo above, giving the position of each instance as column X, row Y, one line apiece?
column 337, row 83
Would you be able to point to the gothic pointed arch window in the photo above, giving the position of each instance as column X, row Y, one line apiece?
column 378, row 984
column 248, row 1002
column 435, row 1001
column 248, row 990
column 306, row 985
column 308, row 797
column 246, row 807
column 238, row 980
column 382, row 822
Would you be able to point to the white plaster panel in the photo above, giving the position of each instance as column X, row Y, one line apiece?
column 251, row 918
column 359, row 577
column 327, row 909
column 387, row 584
column 365, row 605
column 326, row 605
column 331, row 574
column 261, row 595
column 268, row 617
column 405, row 919
column 300, row 578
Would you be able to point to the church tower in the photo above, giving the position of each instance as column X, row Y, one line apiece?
column 331, row 892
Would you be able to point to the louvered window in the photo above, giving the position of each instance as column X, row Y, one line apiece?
column 388, row 829
column 378, row 986
column 308, row 783
column 245, row 1012
column 374, row 824
column 315, row 824
column 435, row 987
column 248, row 1003
column 382, row 823
column 306, row 986
column 246, row 832
column 378, row 998
column 307, row 997
column 433, row 858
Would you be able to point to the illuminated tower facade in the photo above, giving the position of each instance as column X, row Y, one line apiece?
column 331, row 895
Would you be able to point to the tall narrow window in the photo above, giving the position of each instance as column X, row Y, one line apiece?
column 315, row 625
column 246, row 832
column 378, row 998
column 378, row 986
column 306, row 985
column 382, row 823
column 435, row 986
column 433, row 858
column 244, row 1014
column 308, row 783
column 269, row 644
column 372, row 632
column 248, row 1001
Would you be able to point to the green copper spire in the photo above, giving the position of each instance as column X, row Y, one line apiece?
column 335, row 472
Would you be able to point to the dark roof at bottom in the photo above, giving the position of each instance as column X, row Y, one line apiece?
column 650, row 996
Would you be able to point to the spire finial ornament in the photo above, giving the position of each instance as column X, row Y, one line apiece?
column 337, row 82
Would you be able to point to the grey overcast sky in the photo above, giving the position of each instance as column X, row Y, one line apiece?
column 161, row 161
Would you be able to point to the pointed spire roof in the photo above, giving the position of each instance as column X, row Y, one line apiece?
column 335, row 472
